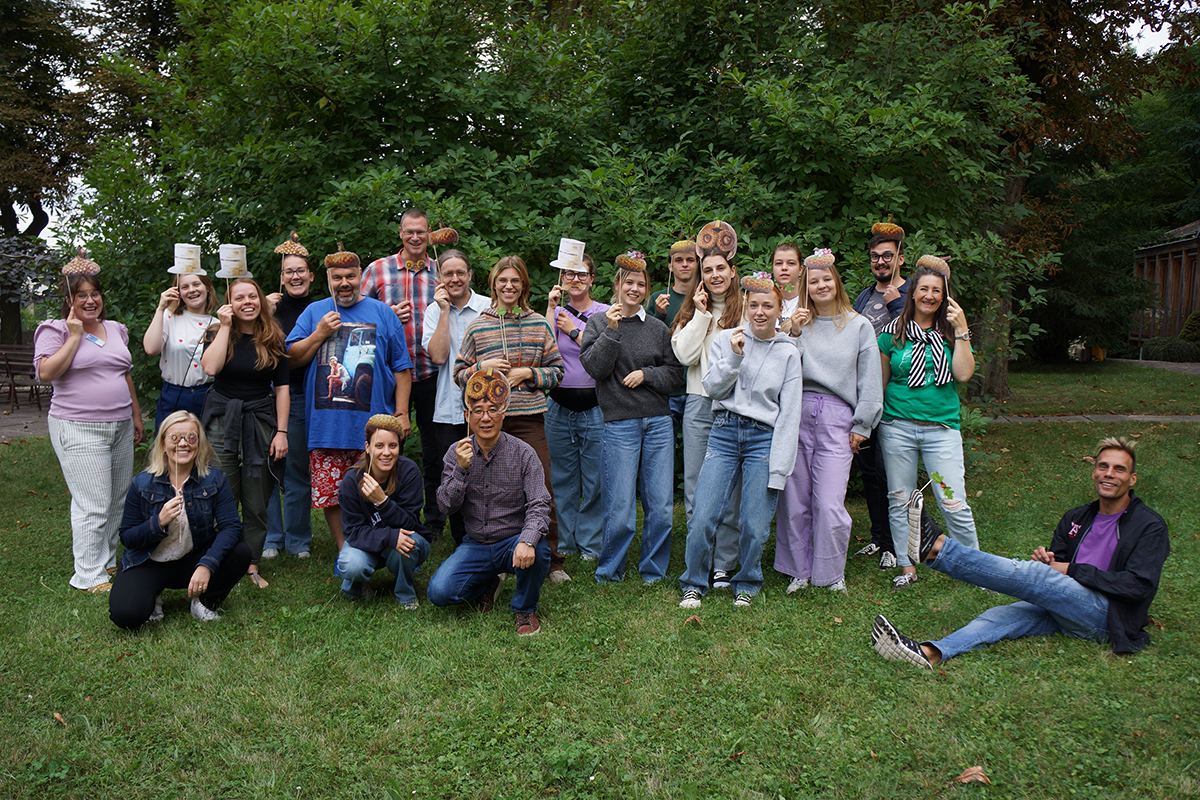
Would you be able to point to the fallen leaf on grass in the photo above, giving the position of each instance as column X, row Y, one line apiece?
column 59, row 717
column 692, row 619
column 974, row 775
column 872, row 752
column 838, row 620
column 1157, row 624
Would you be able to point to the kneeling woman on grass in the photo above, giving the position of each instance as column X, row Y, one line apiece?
column 754, row 381
column 381, row 500
column 629, row 355
column 165, row 548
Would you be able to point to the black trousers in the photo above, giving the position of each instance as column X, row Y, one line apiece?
column 423, row 397
column 131, row 600
column 869, row 459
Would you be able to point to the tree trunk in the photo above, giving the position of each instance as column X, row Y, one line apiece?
column 996, row 326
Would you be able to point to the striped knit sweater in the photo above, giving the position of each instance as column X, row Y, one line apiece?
column 525, row 341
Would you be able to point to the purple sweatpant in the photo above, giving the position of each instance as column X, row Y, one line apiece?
column 812, row 530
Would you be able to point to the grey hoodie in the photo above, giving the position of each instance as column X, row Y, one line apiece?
column 763, row 384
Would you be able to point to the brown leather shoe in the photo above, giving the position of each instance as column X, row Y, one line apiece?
column 527, row 623
column 488, row 598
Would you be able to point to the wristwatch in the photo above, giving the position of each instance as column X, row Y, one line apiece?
column 574, row 335
column 965, row 336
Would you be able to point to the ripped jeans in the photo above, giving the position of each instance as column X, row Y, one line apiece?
column 940, row 448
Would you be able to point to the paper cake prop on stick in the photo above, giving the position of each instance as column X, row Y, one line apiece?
column 187, row 260
column 233, row 261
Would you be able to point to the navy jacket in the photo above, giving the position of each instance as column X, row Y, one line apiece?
column 1131, row 581
column 894, row 308
column 375, row 530
column 211, row 511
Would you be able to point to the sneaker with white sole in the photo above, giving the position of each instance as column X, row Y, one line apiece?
column 838, row 586
column 743, row 600
column 271, row 552
column 904, row 580
column 887, row 560
column 203, row 612
column 303, row 554
column 157, row 614
column 870, row 550
column 895, row 646
column 559, row 576
column 691, row 599
column 720, row 579
column 795, row 585
column 922, row 530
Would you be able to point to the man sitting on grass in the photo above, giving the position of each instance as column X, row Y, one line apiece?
column 1096, row 581
column 496, row 481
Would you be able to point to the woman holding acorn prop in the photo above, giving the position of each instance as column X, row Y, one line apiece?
column 715, row 306
column 754, row 380
column 381, row 499
column 94, row 417
column 843, row 398
column 925, row 351
column 628, row 353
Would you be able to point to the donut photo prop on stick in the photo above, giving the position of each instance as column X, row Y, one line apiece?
column 717, row 238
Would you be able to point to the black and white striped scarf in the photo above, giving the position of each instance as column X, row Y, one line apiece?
column 922, row 339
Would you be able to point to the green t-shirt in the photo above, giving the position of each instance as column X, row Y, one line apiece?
column 928, row 403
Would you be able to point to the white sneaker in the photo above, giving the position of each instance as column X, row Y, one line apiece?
column 303, row 554
column 203, row 612
column 743, row 600
column 904, row 580
column 796, row 585
column 838, row 586
column 887, row 560
column 870, row 550
column 413, row 606
column 271, row 552
column 559, row 576
column 157, row 614
column 691, row 599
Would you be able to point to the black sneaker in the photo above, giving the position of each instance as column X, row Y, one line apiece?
column 923, row 531
column 720, row 579
column 895, row 646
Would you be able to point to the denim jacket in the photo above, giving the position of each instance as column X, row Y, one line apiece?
column 212, row 514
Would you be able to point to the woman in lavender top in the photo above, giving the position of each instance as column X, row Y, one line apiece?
column 94, row 418
column 843, row 398
column 574, row 422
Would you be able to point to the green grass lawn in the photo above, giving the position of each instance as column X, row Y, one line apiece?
column 1106, row 387
column 299, row 694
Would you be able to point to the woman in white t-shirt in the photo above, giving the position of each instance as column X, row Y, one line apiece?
column 184, row 313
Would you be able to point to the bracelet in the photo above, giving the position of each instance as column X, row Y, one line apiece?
column 277, row 431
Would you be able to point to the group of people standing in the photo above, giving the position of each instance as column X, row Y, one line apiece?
column 774, row 382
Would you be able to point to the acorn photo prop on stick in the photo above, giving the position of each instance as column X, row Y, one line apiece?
column 937, row 264
column 79, row 265
column 443, row 237
column 821, row 258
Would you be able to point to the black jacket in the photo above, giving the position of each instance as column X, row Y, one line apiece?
column 1132, row 579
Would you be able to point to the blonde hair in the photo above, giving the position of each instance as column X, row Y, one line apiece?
column 157, row 464
column 845, row 309
column 1119, row 443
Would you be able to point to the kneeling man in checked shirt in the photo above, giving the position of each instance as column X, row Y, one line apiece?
column 496, row 482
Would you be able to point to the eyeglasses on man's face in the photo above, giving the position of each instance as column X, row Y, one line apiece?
column 885, row 258
column 490, row 412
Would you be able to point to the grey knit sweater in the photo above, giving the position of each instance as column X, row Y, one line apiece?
column 609, row 355
column 845, row 363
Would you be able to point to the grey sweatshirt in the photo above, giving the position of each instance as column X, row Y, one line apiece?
column 638, row 343
column 763, row 384
column 846, row 365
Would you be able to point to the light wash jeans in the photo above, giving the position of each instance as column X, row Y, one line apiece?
column 639, row 456
column 738, row 448
column 289, row 524
column 697, row 422
column 1050, row 601
column 357, row 567
column 940, row 448
column 471, row 570
column 576, row 440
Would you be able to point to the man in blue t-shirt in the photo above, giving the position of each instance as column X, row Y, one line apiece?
column 1095, row 581
column 357, row 360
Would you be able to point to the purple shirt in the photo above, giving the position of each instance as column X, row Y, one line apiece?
column 1100, row 542
column 500, row 495
column 93, row 389
column 574, row 375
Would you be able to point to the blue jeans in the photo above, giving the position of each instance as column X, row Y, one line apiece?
column 903, row 441
column 576, row 439
column 357, row 567
column 293, row 527
column 174, row 397
column 471, row 570
column 677, row 402
column 738, row 448
column 639, row 456
column 697, row 422
column 1050, row 601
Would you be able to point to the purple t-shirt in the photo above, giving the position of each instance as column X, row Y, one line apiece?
column 93, row 389
column 1100, row 542
column 574, row 375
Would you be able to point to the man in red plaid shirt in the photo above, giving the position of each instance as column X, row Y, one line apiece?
column 406, row 281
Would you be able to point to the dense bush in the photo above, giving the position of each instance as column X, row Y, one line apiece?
column 1162, row 348
column 1191, row 329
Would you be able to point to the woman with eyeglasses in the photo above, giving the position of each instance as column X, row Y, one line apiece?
column 574, row 421
column 94, row 418
column 180, row 530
